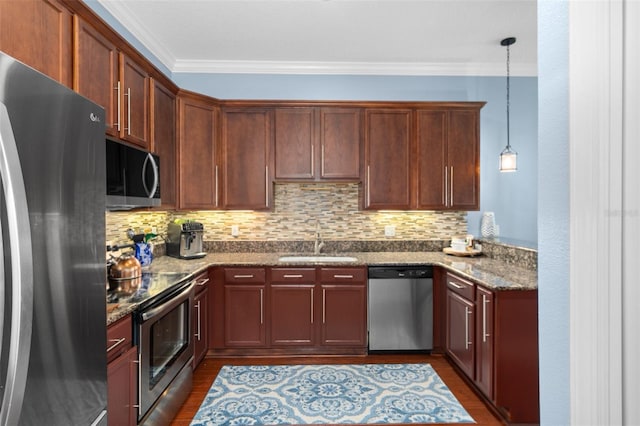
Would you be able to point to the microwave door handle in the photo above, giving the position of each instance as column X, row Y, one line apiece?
column 155, row 175
column 18, row 231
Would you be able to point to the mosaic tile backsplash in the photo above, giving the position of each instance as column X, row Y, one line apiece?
column 290, row 228
column 298, row 207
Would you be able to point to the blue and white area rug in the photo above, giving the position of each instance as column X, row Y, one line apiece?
column 329, row 394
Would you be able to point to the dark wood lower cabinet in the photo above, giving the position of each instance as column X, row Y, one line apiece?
column 122, row 374
column 201, row 318
column 492, row 337
column 289, row 311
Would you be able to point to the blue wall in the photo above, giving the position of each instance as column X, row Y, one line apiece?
column 553, row 212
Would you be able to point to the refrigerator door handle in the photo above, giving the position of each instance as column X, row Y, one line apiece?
column 155, row 175
column 19, row 235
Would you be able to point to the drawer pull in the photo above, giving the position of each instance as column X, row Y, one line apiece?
column 202, row 282
column 243, row 276
column 292, row 275
column 117, row 342
column 459, row 287
column 347, row 277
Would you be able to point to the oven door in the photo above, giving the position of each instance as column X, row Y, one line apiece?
column 165, row 344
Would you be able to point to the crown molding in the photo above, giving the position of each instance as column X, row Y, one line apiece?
column 351, row 68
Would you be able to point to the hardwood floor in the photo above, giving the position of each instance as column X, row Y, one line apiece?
column 208, row 369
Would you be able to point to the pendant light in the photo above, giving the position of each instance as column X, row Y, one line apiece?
column 508, row 157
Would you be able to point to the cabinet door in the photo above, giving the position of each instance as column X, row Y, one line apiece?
column 294, row 143
column 122, row 389
column 340, row 142
column 387, row 158
column 198, row 168
column 431, row 159
column 463, row 155
column 484, row 339
column 292, row 314
column 200, row 325
column 95, row 73
column 246, row 151
column 163, row 141
column 38, row 33
column 244, row 320
column 134, row 98
column 460, row 332
column 344, row 315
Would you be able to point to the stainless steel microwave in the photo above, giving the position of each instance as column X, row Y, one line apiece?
column 133, row 177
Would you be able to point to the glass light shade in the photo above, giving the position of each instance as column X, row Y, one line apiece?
column 508, row 160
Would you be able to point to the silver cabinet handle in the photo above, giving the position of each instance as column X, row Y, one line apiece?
column 312, row 159
column 261, row 306
column 198, row 309
column 368, row 194
column 467, row 312
column 345, row 277
column 292, row 276
column 485, row 301
column 117, row 342
column 119, row 108
column 324, row 305
column 452, row 284
column 128, row 95
column 202, row 282
column 216, row 185
column 311, row 290
column 243, row 276
column 446, row 186
column 321, row 160
column 451, row 188
column 18, row 233
column 266, row 186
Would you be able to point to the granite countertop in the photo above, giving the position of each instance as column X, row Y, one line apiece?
column 492, row 273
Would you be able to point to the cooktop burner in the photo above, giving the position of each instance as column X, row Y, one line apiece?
column 152, row 285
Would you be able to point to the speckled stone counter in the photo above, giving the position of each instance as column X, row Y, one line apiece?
column 491, row 273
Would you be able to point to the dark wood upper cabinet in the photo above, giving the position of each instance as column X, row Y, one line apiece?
column 96, row 71
column 246, row 158
column 317, row 143
column 198, row 174
column 38, row 33
column 164, row 142
column 448, row 155
column 340, row 143
column 134, row 102
column 388, row 146
column 295, row 143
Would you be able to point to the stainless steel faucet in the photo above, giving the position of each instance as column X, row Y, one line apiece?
column 319, row 244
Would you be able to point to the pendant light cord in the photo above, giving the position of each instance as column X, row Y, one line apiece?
column 508, row 131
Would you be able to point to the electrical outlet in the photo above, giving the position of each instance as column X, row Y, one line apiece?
column 235, row 230
column 390, row 231
column 154, row 230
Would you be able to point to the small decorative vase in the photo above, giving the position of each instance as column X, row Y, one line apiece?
column 488, row 225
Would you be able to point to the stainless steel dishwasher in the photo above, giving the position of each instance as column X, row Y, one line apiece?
column 400, row 308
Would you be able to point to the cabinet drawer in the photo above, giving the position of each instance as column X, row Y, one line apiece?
column 460, row 286
column 244, row 275
column 342, row 275
column 119, row 338
column 202, row 282
column 297, row 275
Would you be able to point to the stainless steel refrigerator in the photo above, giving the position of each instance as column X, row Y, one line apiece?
column 53, row 368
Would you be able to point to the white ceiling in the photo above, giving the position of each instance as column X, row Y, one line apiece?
column 383, row 37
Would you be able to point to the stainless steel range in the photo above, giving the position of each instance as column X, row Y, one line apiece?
column 162, row 332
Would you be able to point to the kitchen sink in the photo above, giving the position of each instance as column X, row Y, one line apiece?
column 317, row 259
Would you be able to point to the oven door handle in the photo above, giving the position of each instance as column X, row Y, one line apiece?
column 173, row 301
